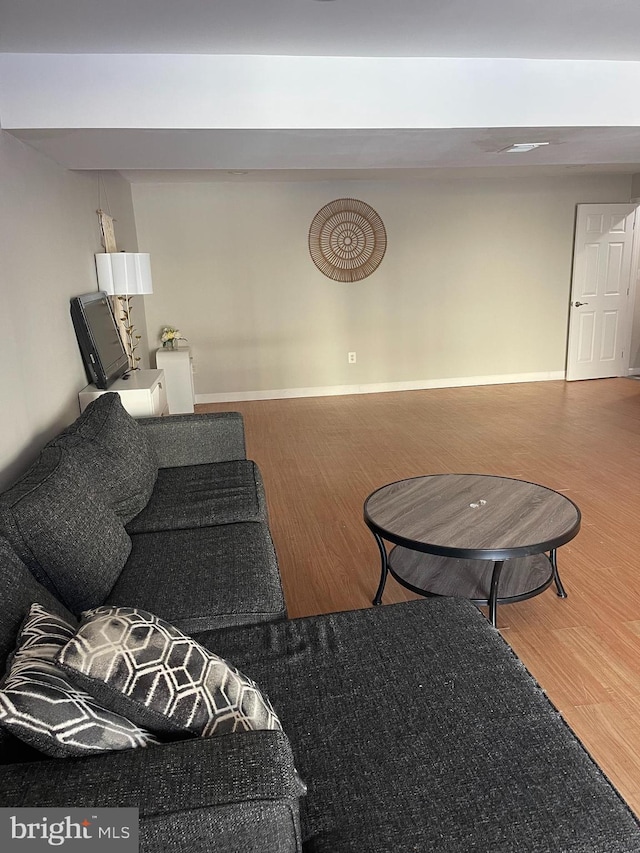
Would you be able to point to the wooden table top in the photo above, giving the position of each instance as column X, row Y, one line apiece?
column 475, row 516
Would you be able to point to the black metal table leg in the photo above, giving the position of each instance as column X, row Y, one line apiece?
column 553, row 559
column 384, row 569
column 493, row 594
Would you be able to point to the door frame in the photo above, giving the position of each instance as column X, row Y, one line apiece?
column 633, row 290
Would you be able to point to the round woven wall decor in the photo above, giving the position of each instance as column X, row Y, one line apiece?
column 347, row 240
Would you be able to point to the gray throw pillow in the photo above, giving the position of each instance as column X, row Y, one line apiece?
column 162, row 679
column 59, row 524
column 115, row 452
column 40, row 705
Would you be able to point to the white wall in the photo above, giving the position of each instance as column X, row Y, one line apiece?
column 475, row 282
column 48, row 236
column 142, row 90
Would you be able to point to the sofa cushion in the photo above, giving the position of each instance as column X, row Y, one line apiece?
column 416, row 728
column 202, row 495
column 151, row 672
column 18, row 589
column 117, row 454
column 222, row 575
column 58, row 523
column 40, row 705
column 196, row 439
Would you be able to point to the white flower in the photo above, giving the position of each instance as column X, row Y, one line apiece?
column 171, row 334
column 168, row 333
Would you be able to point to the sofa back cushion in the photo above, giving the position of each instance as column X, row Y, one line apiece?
column 56, row 520
column 115, row 452
column 18, row 591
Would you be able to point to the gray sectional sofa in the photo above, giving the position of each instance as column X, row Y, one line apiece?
column 409, row 727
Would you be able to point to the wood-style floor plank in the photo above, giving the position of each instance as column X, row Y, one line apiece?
column 322, row 456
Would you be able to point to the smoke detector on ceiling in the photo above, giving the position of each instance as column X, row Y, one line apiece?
column 522, row 147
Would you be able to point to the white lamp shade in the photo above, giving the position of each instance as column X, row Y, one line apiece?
column 124, row 273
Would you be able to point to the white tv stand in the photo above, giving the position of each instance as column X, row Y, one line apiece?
column 143, row 393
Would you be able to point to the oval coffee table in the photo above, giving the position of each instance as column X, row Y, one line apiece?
column 490, row 539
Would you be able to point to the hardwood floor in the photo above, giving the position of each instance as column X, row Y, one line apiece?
column 322, row 456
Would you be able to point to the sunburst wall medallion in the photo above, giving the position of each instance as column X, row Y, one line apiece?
column 347, row 240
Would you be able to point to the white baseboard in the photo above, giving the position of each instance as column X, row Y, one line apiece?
column 378, row 387
column 633, row 371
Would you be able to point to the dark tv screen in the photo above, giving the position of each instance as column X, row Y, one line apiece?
column 99, row 339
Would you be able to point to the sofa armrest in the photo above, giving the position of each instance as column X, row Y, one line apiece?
column 236, row 792
column 196, row 439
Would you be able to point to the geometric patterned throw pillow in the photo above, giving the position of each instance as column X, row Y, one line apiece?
column 162, row 679
column 43, row 708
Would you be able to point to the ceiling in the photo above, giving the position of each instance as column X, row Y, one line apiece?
column 538, row 29
column 543, row 29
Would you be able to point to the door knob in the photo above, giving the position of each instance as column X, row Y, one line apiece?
column 578, row 304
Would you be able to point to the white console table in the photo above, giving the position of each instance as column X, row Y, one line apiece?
column 143, row 393
column 176, row 364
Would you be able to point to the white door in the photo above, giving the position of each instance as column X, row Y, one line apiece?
column 599, row 326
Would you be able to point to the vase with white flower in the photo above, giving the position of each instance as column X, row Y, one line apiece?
column 171, row 337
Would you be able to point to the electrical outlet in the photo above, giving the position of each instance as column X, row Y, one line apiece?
column 351, row 357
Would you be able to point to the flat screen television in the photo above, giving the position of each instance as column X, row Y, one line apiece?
column 103, row 353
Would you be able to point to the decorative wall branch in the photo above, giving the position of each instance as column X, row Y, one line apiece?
column 123, row 318
column 130, row 339
column 106, row 231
